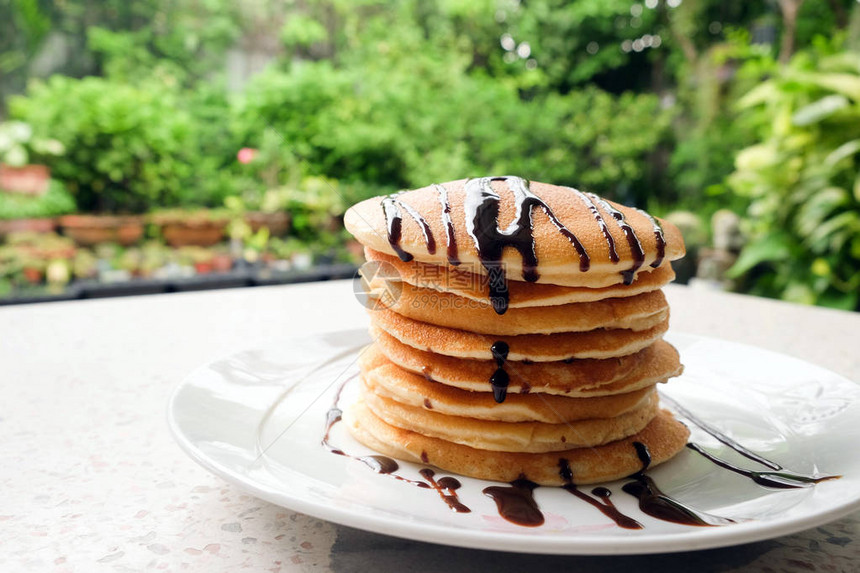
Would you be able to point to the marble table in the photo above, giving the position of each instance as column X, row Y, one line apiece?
column 91, row 480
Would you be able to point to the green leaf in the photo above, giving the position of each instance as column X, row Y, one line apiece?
column 818, row 110
column 839, row 300
column 798, row 292
column 818, row 206
column 830, row 226
column 16, row 156
column 846, row 84
column 762, row 93
column 774, row 247
column 847, row 149
column 756, row 157
column 857, row 188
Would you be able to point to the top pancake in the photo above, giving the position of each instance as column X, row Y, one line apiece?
column 558, row 259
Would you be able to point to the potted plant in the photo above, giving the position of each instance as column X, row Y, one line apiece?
column 271, row 212
column 19, row 212
column 199, row 257
column 33, row 269
column 18, row 147
column 154, row 256
column 10, row 268
column 89, row 230
column 130, row 261
column 200, row 228
column 43, row 246
column 84, row 264
column 222, row 260
column 58, row 274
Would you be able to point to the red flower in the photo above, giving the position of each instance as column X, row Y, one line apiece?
column 246, row 155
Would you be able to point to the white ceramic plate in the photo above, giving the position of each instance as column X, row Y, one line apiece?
column 257, row 418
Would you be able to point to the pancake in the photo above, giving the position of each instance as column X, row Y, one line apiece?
column 599, row 343
column 532, row 437
column 639, row 312
column 416, row 223
column 394, row 383
column 473, row 286
column 580, row 378
column 664, row 436
column 517, row 329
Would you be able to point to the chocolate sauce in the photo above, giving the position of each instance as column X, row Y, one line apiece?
column 500, row 379
column 377, row 463
column 391, row 207
column 602, row 504
column 657, row 504
column 482, row 223
column 450, row 237
column 658, row 237
column 720, row 436
column 500, row 351
column 427, row 372
column 447, row 488
column 428, row 404
column 775, row 479
column 481, row 206
column 780, row 472
column 635, row 246
column 517, row 503
column 644, row 455
column 610, row 241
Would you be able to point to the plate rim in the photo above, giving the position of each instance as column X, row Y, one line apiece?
column 697, row 538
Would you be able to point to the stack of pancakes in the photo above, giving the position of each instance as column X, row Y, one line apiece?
column 520, row 327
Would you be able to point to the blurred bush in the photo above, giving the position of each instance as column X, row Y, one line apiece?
column 55, row 201
column 129, row 147
column 803, row 180
column 392, row 125
column 644, row 102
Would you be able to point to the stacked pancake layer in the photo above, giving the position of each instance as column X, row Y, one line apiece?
column 518, row 348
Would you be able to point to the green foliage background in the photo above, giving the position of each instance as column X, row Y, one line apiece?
column 650, row 103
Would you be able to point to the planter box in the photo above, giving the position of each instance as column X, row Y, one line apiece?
column 29, row 179
column 31, row 225
column 91, row 230
column 277, row 223
column 193, row 233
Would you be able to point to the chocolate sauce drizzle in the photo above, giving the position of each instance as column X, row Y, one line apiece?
column 781, row 477
column 391, row 207
column 481, row 212
column 500, row 379
column 658, row 237
column 602, row 503
column 482, row 223
column 450, row 237
column 775, row 479
column 377, row 463
column 517, row 503
column 657, row 504
column 610, row 241
column 720, row 436
column 635, row 246
column 447, row 488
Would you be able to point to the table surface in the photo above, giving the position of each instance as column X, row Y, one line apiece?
column 91, row 479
